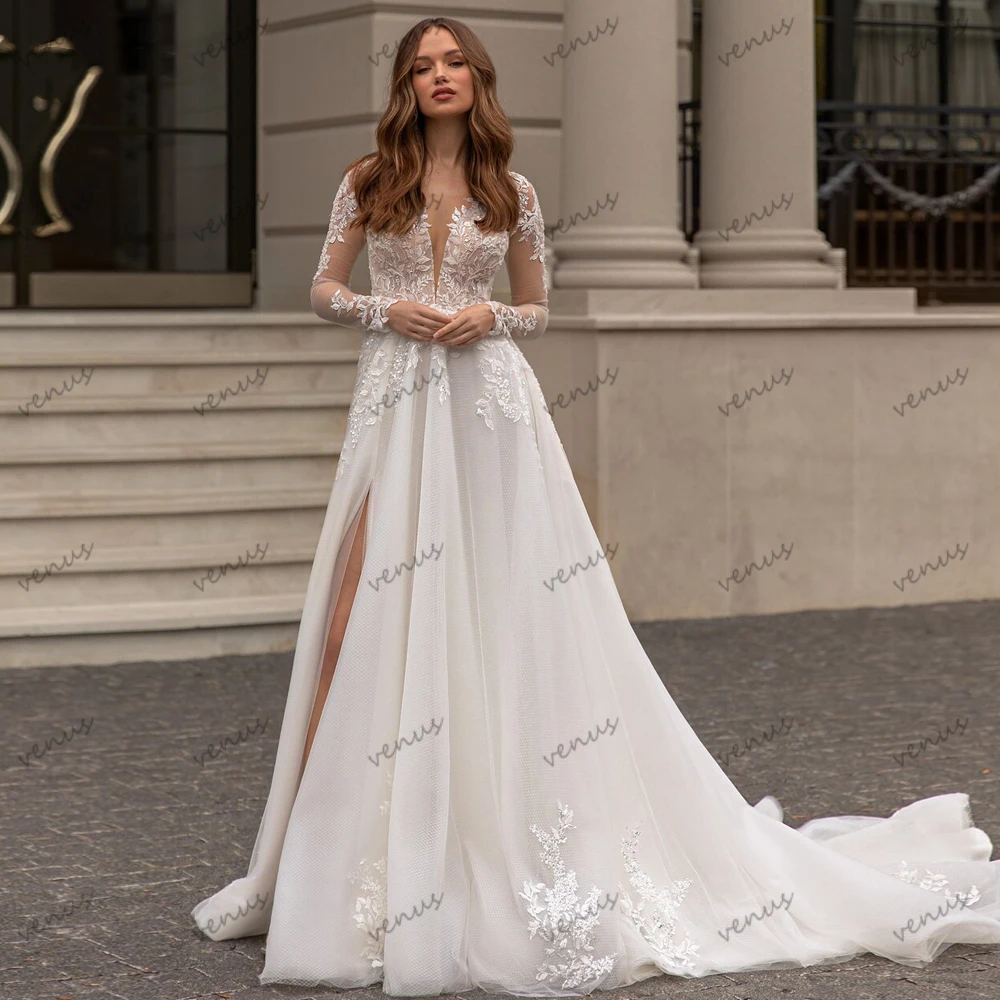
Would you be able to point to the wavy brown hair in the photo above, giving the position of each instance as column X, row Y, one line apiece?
column 387, row 182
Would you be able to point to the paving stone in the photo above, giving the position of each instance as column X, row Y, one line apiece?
column 127, row 814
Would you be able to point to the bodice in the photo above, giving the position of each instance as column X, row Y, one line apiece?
column 403, row 267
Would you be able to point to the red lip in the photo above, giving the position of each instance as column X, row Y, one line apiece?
column 443, row 90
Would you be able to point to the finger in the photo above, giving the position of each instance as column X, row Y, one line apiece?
column 461, row 321
column 425, row 312
column 427, row 325
column 469, row 338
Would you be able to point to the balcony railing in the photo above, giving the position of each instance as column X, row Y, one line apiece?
column 949, row 252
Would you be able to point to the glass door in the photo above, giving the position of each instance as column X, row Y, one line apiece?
column 127, row 153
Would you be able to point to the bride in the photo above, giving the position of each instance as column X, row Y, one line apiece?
column 480, row 780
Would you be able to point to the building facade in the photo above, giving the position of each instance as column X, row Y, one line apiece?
column 770, row 366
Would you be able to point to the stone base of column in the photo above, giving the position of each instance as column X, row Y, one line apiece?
column 785, row 258
column 666, row 308
column 623, row 257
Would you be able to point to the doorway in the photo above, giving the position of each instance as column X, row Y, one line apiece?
column 127, row 153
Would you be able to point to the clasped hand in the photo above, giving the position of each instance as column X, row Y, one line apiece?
column 420, row 322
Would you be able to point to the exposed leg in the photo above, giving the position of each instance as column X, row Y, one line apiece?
column 338, row 625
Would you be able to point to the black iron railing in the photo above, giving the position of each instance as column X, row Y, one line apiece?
column 952, row 254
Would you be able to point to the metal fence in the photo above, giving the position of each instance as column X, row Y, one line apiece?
column 947, row 252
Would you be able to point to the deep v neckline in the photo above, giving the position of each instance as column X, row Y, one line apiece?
column 456, row 213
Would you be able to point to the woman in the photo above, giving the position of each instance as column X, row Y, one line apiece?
column 493, row 788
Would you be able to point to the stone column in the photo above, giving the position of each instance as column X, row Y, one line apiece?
column 618, row 225
column 758, row 148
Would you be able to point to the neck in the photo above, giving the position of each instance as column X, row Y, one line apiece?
column 445, row 141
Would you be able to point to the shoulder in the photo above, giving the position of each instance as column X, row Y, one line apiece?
column 529, row 206
column 347, row 181
column 530, row 224
column 524, row 187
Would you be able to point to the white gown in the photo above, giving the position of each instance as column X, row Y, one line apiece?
column 501, row 793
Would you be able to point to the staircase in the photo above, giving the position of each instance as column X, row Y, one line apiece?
column 141, row 519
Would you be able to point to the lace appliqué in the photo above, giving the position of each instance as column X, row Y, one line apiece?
column 561, row 918
column 510, row 322
column 471, row 259
column 658, row 923
column 402, row 268
column 369, row 404
column 371, row 908
column 345, row 208
column 506, row 385
column 935, row 883
column 372, row 309
column 530, row 223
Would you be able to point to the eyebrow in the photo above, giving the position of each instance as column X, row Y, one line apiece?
column 450, row 52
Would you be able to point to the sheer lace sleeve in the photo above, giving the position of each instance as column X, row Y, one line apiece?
column 331, row 295
column 528, row 315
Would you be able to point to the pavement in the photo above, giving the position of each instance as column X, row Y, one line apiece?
column 110, row 837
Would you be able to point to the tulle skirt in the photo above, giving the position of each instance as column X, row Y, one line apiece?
column 501, row 792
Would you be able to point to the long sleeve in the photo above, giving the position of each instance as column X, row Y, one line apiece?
column 528, row 315
column 331, row 296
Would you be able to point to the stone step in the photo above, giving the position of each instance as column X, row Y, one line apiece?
column 274, row 549
column 198, row 494
column 246, row 570
column 86, row 438
column 151, row 616
column 229, row 629
column 161, row 487
column 136, row 383
column 42, row 540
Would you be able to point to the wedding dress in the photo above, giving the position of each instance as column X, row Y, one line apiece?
column 500, row 792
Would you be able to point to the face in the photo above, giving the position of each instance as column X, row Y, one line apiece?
column 441, row 68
